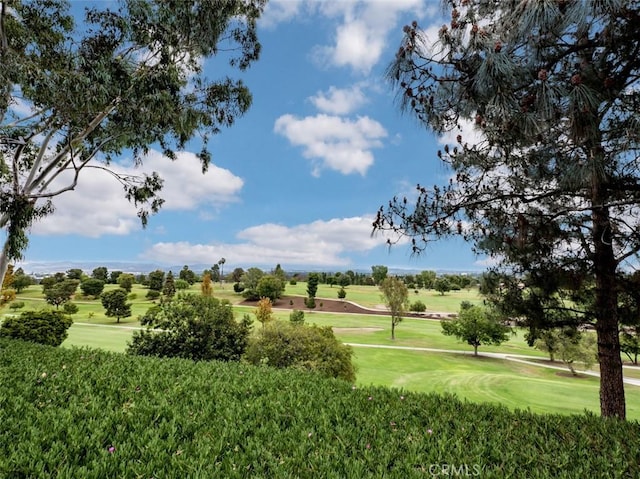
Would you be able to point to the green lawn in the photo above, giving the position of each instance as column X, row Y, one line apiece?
column 516, row 385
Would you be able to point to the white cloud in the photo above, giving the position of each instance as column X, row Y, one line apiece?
column 361, row 36
column 321, row 243
column 339, row 101
column 340, row 144
column 97, row 206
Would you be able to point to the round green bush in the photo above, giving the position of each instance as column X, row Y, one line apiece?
column 44, row 327
column 284, row 345
column 418, row 307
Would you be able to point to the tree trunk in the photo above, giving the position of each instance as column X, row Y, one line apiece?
column 4, row 263
column 612, row 401
column 475, row 349
column 393, row 329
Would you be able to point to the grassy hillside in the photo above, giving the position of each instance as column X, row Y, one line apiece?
column 73, row 413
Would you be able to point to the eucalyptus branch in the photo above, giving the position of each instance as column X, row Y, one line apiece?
column 83, row 164
column 38, row 160
column 73, row 141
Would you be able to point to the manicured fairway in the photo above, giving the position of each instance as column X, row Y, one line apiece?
column 516, row 385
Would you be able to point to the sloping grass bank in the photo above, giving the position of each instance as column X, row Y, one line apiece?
column 70, row 413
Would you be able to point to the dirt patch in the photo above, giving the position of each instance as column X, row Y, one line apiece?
column 334, row 306
column 322, row 305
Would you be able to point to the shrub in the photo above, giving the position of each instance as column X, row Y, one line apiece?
column 238, row 288
column 70, row 308
column 293, row 282
column 418, row 307
column 312, row 348
column 152, row 294
column 92, row 287
column 296, row 316
column 132, row 296
column 194, row 327
column 17, row 305
column 182, row 284
column 342, row 293
column 270, row 287
column 44, row 327
column 310, row 303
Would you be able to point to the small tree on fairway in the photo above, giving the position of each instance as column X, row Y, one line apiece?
column 476, row 326
column 115, row 304
column 574, row 347
column 342, row 293
column 396, row 297
column 92, row 287
column 263, row 312
column 206, row 287
column 442, row 285
column 312, row 285
column 100, row 273
column 270, row 287
column 61, row 292
column 156, row 280
column 125, row 281
column 169, row 288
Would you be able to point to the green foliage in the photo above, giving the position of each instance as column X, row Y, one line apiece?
column 342, row 293
column 270, row 287
column 152, row 294
column 132, row 296
column 396, row 297
column 100, row 273
column 44, row 327
column 379, row 273
column 75, row 273
column 17, row 305
column 113, row 277
column 285, row 424
column 92, row 287
column 293, row 282
column 60, row 292
column 21, row 282
column 442, row 285
column 476, row 326
column 70, row 308
column 263, row 312
column 285, row 345
column 312, row 285
column 192, row 326
column 571, row 345
column 418, row 307
column 186, row 274
column 310, row 303
column 115, row 304
column 238, row 288
column 169, row 287
column 181, row 284
column 156, row 280
column 296, row 316
column 250, row 280
column 126, row 281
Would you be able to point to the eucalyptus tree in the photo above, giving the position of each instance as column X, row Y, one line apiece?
column 549, row 184
column 78, row 93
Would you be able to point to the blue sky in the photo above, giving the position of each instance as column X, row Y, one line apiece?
column 297, row 180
